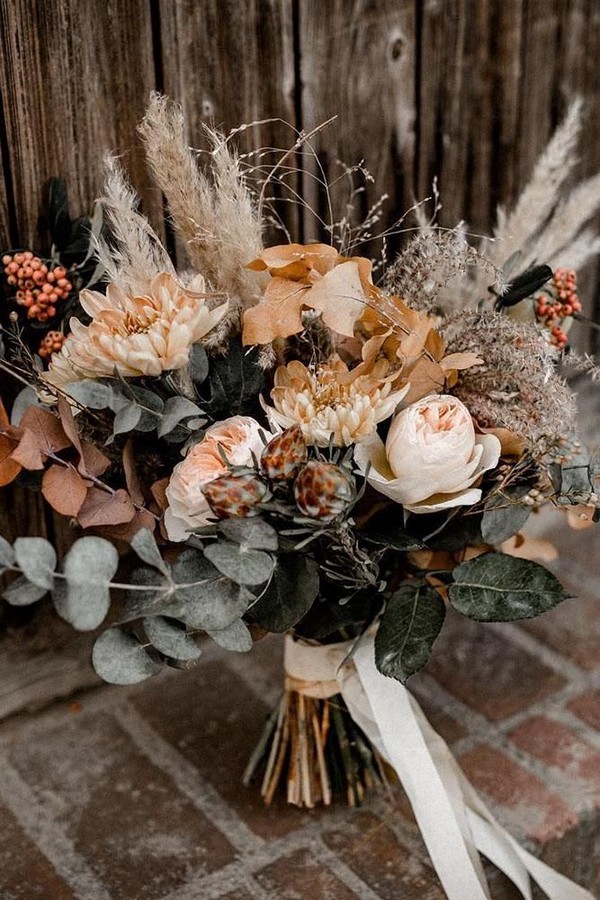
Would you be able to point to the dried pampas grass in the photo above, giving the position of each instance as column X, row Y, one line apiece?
column 213, row 213
column 135, row 252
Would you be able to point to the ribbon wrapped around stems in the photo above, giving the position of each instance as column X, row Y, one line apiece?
column 455, row 823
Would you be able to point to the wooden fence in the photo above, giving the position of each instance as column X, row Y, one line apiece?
column 468, row 90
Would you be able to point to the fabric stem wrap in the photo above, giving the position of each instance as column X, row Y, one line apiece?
column 455, row 823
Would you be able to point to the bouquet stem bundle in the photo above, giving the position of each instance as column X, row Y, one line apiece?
column 311, row 748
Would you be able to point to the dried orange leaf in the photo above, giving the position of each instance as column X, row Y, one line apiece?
column 28, row 454
column 278, row 314
column 103, row 508
column 460, row 361
column 64, row 489
column 296, row 261
column 96, row 463
column 341, row 297
column 46, row 428
column 131, row 476
column 127, row 531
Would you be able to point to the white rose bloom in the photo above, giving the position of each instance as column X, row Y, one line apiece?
column 432, row 456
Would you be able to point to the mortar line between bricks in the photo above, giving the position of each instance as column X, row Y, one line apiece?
column 343, row 872
column 537, row 648
column 187, row 778
column 48, row 836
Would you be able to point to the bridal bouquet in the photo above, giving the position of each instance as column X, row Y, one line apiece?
column 289, row 444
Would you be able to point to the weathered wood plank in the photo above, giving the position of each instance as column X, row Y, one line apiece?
column 74, row 77
column 231, row 63
column 358, row 63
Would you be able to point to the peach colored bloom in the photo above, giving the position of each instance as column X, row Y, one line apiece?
column 432, row 456
column 239, row 437
column 331, row 401
column 135, row 335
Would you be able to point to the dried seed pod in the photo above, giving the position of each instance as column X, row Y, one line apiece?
column 322, row 490
column 235, row 495
column 283, row 456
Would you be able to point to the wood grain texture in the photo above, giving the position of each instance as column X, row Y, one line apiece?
column 357, row 62
column 75, row 76
column 228, row 64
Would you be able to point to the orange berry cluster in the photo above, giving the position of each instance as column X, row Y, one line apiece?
column 52, row 343
column 556, row 303
column 37, row 287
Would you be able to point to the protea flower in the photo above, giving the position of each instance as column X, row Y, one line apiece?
column 322, row 490
column 235, row 495
column 136, row 335
column 283, row 456
column 330, row 401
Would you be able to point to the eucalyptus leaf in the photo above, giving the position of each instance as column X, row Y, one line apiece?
column 411, row 622
column 119, row 658
column 37, row 558
column 144, row 544
column 127, row 418
column 395, row 539
column 24, row 399
column 234, row 383
column 292, row 591
column 251, row 533
column 150, row 401
column 176, row 409
column 504, row 516
column 93, row 394
column 236, row 637
column 22, row 592
column 199, row 364
column 245, row 566
column 88, row 568
column 7, row 554
column 171, row 638
column 495, row 587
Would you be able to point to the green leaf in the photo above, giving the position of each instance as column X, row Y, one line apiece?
column 119, row 658
column 126, row 418
column 503, row 515
column 460, row 532
column 7, row 554
column 500, row 588
column 37, row 558
column 290, row 594
column 93, row 394
column 236, row 637
column 176, row 409
column 88, row 567
column 252, row 533
column 234, row 383
column 412, row 620
column 241, row 565
column 24, row 399
column 22, row 592
column 171, row 638
column 199, row 364
column 395, row 539
column 144, row 544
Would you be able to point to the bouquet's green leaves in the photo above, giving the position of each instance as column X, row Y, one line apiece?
column 199, row 364
column 290, row 594
column 326, row 616
column 93, row 394
column 460, row 532
column 171, row 638
column 252, row 533
column 149, row 602
column 119, row 658
column 88, row 567
column 24, row 399
column 7, row 554
column 37, row 558
column 245, row 566
column 412, row 620
column 525, row 285
column 495, row 587
column 144, row 544
column 127, row 418
column 503, row 515
column 236, row 637
column 176, row 409
column 22, row 592
column 395, row 539
column 234, row 383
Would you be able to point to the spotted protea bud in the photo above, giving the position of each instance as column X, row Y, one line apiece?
column 322, row 490
column 283, row 456
column 235, row 495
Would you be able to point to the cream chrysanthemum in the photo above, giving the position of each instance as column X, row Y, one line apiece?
column 329, row 403
column 136, row 335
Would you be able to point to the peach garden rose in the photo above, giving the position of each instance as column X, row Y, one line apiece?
column 239, row 437
column 432, row 458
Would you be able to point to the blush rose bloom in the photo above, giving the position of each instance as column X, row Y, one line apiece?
column 432, row 456
column 188, row 509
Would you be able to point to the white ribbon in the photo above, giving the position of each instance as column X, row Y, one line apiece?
column 455, row 823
